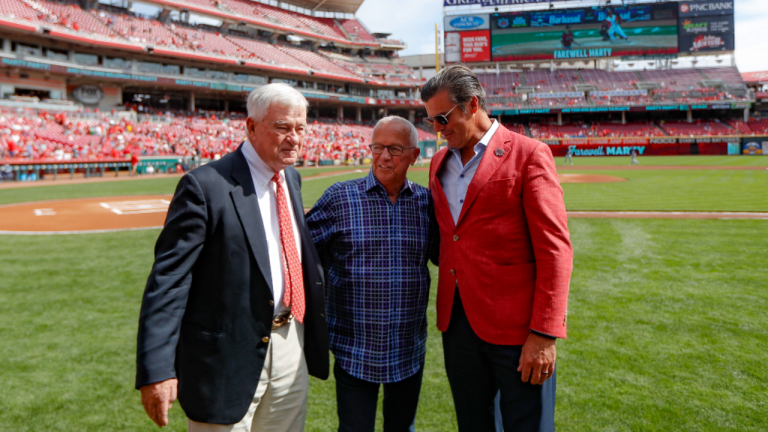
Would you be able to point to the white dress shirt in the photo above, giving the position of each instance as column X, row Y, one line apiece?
column 455, row 177
column 265, row 192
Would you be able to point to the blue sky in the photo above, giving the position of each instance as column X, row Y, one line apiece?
column 413, row 21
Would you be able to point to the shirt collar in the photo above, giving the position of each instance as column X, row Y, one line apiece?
column 371, row 182
column 483, row 143
column 262, row 173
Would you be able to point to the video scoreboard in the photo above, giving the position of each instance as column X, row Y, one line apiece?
column 638, row 30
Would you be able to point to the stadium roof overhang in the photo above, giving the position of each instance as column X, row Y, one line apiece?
column 345, row 6
column 755, row 77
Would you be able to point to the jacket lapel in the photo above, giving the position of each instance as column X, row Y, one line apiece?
column 438, row 194
column 489, row 164
column 247, row 207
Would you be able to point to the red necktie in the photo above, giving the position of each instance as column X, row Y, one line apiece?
column 293, row 297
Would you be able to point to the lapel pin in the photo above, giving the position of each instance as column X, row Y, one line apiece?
column 499, row 152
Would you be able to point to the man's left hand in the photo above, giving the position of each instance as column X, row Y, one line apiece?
column 538, row 356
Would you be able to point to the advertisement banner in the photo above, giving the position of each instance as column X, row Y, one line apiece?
column 755, row 146
column 466, row 22
column 557, row 95
column 708, row 33
column 706, row 8
column 642, row 150
column 619, row 93
column 585, row 33
column 468, row 46
column 485, row 3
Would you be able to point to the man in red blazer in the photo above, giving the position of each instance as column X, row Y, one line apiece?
column 505, row 260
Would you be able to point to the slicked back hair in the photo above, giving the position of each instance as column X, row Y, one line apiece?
column 461, row 84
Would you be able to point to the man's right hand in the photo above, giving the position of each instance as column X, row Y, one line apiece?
column 158, row 398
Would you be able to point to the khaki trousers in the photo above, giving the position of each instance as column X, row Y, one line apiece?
column 280, row 402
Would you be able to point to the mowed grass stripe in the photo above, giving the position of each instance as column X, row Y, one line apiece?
column 667, row 331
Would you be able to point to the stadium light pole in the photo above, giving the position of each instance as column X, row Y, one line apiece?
column 437, row 68
column 437, row 49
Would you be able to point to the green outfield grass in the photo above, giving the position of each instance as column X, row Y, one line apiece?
column 667, row 332
column 667, row 322
column 670, row 190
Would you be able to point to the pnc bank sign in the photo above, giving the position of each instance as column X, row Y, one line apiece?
column 706, row 8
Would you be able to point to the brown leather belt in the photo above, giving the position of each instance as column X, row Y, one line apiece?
column 281, row 320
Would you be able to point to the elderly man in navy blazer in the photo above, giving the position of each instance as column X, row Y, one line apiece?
column 232, row 319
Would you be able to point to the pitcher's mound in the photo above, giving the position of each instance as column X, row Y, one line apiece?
column 588, row 178
column 85, row 215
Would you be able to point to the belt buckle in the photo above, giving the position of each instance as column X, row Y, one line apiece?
column 281, row 320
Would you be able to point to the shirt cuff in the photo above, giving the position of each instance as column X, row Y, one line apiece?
column 538, row 333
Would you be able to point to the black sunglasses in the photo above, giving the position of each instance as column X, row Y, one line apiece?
column 440, row 118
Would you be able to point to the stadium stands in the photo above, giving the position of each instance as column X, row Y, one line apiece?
column 666, row 86
column 59, row 136
column 548, row 131
column 608, row 81
column 545, row 81
column 636, row 129
column 699, row 128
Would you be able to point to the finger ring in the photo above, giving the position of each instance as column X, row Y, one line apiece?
column 544, row 373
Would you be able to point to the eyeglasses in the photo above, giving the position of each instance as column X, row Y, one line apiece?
column 393, row 150
column 440, row 118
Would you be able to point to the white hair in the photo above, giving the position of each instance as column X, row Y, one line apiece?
column 414, row 135
column 260, row 99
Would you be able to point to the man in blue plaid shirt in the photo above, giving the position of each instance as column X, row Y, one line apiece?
column 375, row 236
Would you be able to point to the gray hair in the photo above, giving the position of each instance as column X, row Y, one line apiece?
column 260, row 99
column 460, row 82
column 412, row 132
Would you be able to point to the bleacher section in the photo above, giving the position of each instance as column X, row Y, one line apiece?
column 636, row 129
column 506, row 89
column 60, row 136
column 126, row 31
column 699, row 128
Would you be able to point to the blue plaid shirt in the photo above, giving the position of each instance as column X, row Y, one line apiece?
column 375, row 256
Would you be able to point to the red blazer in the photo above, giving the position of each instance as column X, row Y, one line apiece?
column 510, row 251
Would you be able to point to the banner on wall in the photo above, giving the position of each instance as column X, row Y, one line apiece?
column 755, row 146
column 582, row 150
column 487, row 3
column 707, row 33
column 466, row 22
column 706, row 8
column 468, row 46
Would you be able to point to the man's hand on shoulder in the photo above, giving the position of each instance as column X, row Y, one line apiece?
column 538, row 356
column 158, row 399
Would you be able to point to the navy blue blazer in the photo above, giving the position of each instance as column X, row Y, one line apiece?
column 207, row 303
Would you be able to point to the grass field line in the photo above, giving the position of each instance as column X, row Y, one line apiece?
column 667, row 215
column 77, row 232
column 661, row 167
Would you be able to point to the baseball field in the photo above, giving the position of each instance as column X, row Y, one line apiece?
column 667, row 322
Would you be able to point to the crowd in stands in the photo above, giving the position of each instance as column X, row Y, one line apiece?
column 64, row 137
column 115, row 25
column 28, row 134
column 541, row 88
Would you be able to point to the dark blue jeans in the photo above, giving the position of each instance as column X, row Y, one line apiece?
column 478, row 370
column 357, row 399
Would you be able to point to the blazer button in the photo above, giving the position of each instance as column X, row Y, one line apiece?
column 453, row 272
column 265, row 339
column 455, row 238
column 271, row 303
